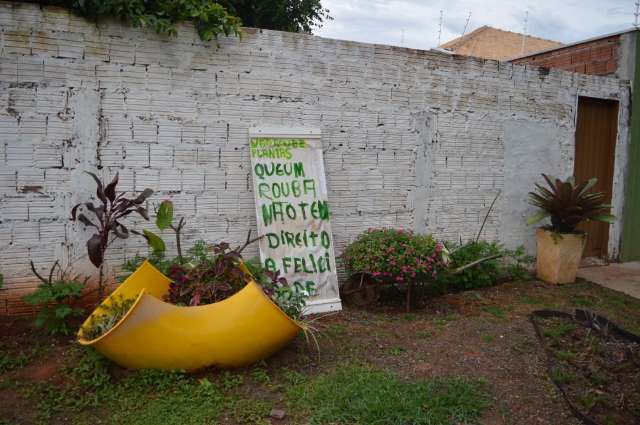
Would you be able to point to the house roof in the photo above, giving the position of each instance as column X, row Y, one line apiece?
column 575, row 43
column 493, row 43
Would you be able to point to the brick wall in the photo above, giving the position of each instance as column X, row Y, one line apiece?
column 412, row 139
column 597, row 57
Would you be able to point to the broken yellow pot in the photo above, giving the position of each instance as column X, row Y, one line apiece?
column 238, row 331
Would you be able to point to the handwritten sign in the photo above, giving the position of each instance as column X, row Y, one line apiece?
column 293, row 212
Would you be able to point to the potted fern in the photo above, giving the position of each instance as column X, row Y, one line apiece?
column 560, row 244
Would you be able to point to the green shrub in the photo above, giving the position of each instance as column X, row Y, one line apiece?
column 56, row 300
column 395, row 256
column 209, row 17
column 510, row 264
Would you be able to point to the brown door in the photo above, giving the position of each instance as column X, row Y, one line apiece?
column 596, row 132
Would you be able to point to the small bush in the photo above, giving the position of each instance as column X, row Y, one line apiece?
column 395, row 256
column 56, row 300
column 511, row 264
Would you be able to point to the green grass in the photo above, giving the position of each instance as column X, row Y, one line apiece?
column 562, row 376
column 186, row 402
column 584, row 301
column 488, row 338
column 10, row 361
column 558, row 331
column 530, row 300
column 442, row 321
column 250, row 411
column 495, row 311
column 565, row 355
column 142, row 398
column 356, row 394
column 260, row 375
column 396, row 351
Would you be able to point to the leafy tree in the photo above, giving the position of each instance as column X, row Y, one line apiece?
column 283, row 15
column 211, row 18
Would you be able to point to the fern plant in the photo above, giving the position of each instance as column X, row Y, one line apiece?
column 568, row 204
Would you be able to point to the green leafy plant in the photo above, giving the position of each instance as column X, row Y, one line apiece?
column 283, row 15
column 209, row 17
column 292, row 299
column 107, row 218
column 568, row 204
column 396, row 257
column 56, row 298
column 107, row 316
column 164, row 220
column 209, row 273
column 500, row 264
column 212, row 280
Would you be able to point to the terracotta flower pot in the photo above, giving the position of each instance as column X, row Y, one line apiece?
column 559, row 256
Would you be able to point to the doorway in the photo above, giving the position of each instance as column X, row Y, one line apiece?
column 596, row 134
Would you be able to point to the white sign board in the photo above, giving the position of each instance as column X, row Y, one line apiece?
column 293, row 213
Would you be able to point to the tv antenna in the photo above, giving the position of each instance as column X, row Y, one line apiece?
column 440, row 27
column 636, row 14
column 524, row 31
column 469, row 18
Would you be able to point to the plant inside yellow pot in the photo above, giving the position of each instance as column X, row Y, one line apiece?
column 560, row 244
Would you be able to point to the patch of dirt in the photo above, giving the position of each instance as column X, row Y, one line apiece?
column 46, row 368
column 598, row 370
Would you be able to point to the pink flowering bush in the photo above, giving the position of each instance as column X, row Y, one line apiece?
column 395, row 256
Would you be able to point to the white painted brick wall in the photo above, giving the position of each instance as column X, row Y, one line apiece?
column 173, row 114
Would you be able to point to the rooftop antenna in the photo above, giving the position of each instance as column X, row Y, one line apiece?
column 636, row 14
column 469, row 18
column 524, row 31
column 440, row 27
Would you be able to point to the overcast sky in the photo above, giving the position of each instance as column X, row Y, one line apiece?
column 415, row 23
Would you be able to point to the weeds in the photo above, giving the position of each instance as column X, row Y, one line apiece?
column 562, row 376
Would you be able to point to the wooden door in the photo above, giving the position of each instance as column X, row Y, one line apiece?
column 596, row 133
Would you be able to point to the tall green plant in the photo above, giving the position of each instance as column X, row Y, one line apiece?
column 568, row 204
column 164, row 221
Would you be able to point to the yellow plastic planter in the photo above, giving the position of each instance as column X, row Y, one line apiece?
column 235, row 332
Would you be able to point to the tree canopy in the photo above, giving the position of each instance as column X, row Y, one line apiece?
column 283, row 15
column 211, row 18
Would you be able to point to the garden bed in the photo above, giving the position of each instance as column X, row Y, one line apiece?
column 480, row 342
column 594, row 363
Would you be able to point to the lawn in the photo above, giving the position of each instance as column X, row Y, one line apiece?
column 470, row 357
